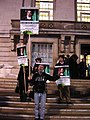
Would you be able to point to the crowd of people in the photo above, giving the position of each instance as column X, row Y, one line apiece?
column 39, row 77
column 77, row 70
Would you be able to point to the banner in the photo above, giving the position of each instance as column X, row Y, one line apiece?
column 29, row 20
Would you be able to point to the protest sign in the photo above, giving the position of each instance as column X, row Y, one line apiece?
column 29, row 20
column 64, row 76
column 22, row 55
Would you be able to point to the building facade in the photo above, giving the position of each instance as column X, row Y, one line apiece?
column 62, row 35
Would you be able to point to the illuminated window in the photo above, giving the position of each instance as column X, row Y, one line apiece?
column 83, row 10
column 45, row 9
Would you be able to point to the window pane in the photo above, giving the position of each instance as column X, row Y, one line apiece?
column 45, row 9
column 83, row 10
column 44, row 0
column 43, row 50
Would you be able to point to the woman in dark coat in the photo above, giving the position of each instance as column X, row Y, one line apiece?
column 73, row 66
column 23, row 82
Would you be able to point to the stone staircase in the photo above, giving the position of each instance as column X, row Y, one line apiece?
column 12, row 109
column 8, row 59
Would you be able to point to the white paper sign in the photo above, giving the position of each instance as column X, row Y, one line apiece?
column 29, row 20
column 65, row 81
column 29, row 26
column 22, row 55
column 23, row 60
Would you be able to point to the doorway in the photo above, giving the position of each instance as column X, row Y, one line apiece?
column 85, row 53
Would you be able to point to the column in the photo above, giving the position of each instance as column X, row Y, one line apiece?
column 66, row 43
column 21, row 39
column 33, row 3
column 12, row 42
column 72, row 41
column 62, row 43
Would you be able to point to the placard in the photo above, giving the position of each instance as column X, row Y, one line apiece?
column 65, row 72
column 47, row 67
column 64, row 75
column 29, row 20
column 65, row 81
column 22, row 55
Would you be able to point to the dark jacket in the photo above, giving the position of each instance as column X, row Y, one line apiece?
column 39, row 81
column 20, row 78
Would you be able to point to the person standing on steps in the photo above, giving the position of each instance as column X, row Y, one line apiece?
column 63, row 91
column 23, row 82
column 82, row 69
column 39, row 83
column 34, row 70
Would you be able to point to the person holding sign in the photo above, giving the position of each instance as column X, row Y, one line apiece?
column 64, row 82
column 39, row 83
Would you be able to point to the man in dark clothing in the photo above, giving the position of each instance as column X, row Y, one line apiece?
column 23, row 82
column 82, row 69
column 39, row 83
column 73, row 66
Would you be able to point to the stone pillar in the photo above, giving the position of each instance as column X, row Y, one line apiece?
column 33, row 3
column 62, row 43
column 23, row 2
column 67, row 42
column 72, row 42
column 12, row 42
column 21, row 38
column 66, row 49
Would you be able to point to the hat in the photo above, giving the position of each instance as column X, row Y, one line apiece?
column 38, row 59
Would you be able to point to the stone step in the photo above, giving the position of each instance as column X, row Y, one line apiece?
column 76, row 103
column 6, row 93
column 51, row 87
column 31, row 117
column 4, row 45
column 14, row 63
column 12, row 88
column 8, row 84
column 5, row 50
column 49, row 111
column 80, row 90
column 52, row 84
column 7, row 53
column 4, row 40
column 12, row 109
column 9, row 72
column 78, row 81
column 11, row 96
column 8, row 58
